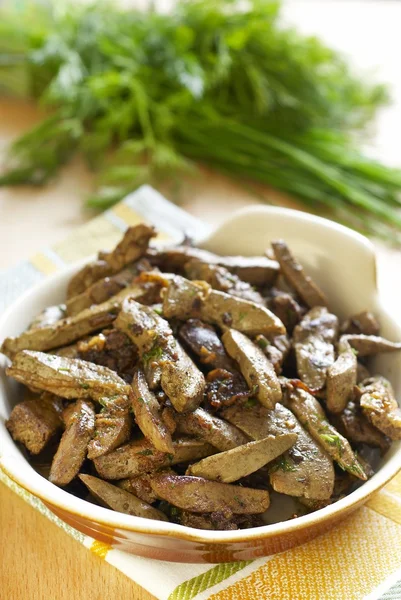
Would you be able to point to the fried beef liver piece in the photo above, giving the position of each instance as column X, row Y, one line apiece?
column 293, row 271
column 147, row 414
column 366, row 345
column 202, row 340
column 67, row 330
column 112, row 426
column 312, row 416
column 364, row 322
column 35, row 421
column 132, row 246
column 139, row 456
column 314, row 339
column 286, row 307
column 66, row 377
column 103, row 289
column 341, row 379
column 120, row 500
column 303, row 470
column 180, row 378
column 358, row 430
column 256, row 270
column 241, row 461
column 257, row 370
column 380, row 406
column 186, row 299
column 199, row 495
column 220, row 278
column 209, row 428
column 73, row 446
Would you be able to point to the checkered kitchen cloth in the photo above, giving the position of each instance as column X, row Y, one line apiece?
column 359, row 559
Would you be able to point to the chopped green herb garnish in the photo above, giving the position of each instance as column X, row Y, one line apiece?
column 146, row 452
column 84, row 386
column 239, row 501
column 158, row 310
column 242, row 316
column 250, row 402
column 356, row 469
column 282, row 464
column 170, row 457
column 262, row 342
column 155, row 353
column 333, row 440
column 354, row 351
column 64, row 369
column 141, row 400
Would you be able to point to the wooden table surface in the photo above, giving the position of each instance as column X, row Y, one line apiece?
column 37, row 560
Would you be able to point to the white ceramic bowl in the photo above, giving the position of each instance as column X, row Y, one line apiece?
column 343, row 263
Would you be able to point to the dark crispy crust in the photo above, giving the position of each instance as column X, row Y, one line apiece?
column 224, row 388
column 112, row 349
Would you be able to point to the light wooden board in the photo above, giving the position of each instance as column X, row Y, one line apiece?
column 38, row 561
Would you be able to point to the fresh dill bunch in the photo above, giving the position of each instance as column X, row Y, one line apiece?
column 143, row 96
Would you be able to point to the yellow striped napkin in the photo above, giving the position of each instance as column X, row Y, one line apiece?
column 359, row 559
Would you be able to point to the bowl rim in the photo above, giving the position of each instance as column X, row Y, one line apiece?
column 54, row 496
